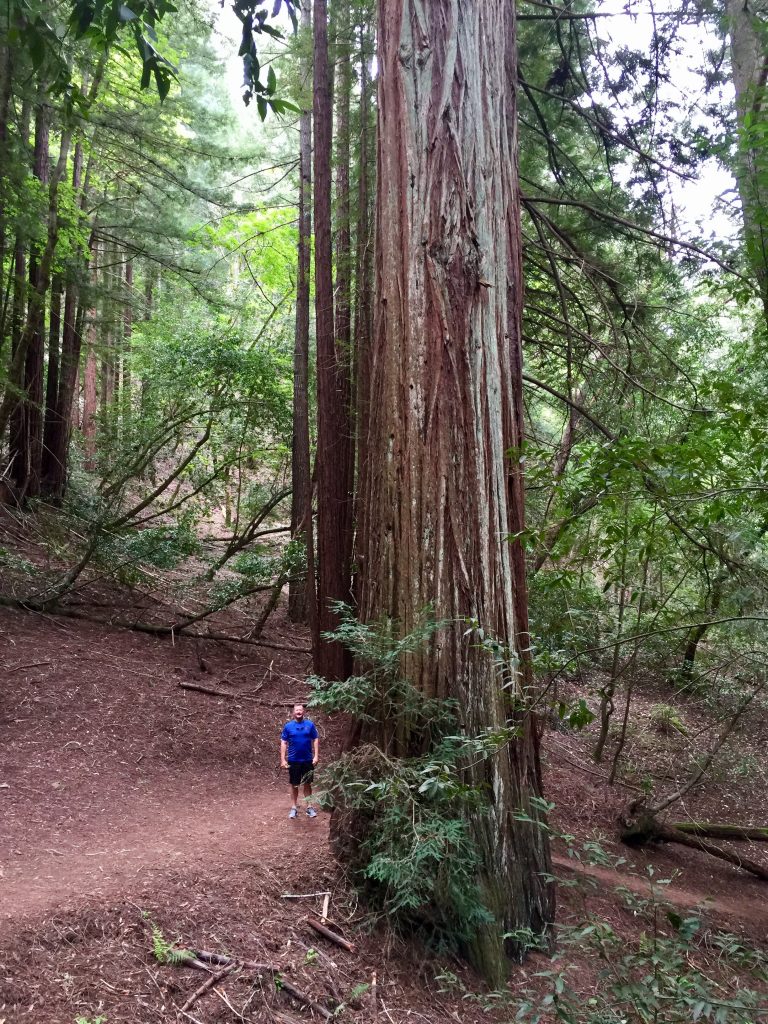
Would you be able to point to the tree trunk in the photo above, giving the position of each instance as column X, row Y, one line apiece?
column 363, row 264
column 127, row 378
column 26, row 452
column 27, row 362
column 90, row 396
column 54, row 371
column 444, row 488
column 301, row 592
column 749, row 61
column 59, row 416
column 333, row 428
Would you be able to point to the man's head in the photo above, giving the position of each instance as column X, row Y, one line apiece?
column 298, row 712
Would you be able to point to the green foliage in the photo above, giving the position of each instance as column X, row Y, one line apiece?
column 90, row 1020
column 165, row 953
column 666, row 719
column 662, row 976
column 414, row 853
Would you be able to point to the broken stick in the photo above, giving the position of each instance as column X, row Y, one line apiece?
column 302, row 997
column 207, row 984
column 331, row 936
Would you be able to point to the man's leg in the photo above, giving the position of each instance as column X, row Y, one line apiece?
column 308, row 796
column 294, row 781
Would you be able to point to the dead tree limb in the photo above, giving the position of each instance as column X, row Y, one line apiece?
column 207, row 984
column 302, row 997
column 331, row 936
column 673, row 835
column 714, row 830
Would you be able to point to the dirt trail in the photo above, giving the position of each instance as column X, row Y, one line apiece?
column 730, row 912
column 140, row 842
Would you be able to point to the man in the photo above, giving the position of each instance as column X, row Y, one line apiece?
column 299, row 749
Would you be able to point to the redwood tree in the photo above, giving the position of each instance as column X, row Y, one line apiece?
column 443, row 488
column 334, row 431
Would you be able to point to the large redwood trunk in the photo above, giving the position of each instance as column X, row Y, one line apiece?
column 334, row 501
column 443, row 490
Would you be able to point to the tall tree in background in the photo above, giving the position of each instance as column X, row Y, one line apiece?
column 301, row 592
column 443, row 490
column 334, row 432
column 748, row 30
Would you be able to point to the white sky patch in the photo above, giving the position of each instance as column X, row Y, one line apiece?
column 703, row 207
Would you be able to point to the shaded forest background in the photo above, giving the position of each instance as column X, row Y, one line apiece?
column 188, row 323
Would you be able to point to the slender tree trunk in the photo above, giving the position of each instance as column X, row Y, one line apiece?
column 301, row 592
column 28, row 356
column 363, row 264
column 127, row 377
column 749, row 61
column 333, row 426
column 63, row 414
column 444, row 489
column 27, row 450
column 6, row 82
column 90, row 394
column 54, row 371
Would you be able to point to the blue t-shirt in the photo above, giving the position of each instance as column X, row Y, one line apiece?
column 299, row 736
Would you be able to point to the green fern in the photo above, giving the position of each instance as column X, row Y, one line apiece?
column 165, row 953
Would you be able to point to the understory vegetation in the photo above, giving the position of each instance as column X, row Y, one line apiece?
column 475, row 395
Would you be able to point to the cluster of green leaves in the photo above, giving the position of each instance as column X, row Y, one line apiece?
column 660, row 977
column 414, row 853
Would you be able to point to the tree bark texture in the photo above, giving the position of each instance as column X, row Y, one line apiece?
column 27, row 446
column 749, row 61
column 333, row 396
column 364, row 261
column 58, row 422
column 444, row 490
column 301, row 592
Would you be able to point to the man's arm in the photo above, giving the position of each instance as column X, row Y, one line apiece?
column 283, row 754
column 315, row 749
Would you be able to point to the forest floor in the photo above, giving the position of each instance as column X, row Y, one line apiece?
column 129, row 802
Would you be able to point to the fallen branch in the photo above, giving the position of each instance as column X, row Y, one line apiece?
column 199, row 688
column 331, row 936
column 302, row 997
column 713, row 830
column 644, row 828
column 207, row 984
column 49, row 608
column 212, row 958
column 208, row 689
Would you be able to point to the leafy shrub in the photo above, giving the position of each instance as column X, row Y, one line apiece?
column 657, row 979
column 406, row 818
column 666, row 719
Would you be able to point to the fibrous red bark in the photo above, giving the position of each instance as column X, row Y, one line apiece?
column 443, row 489
column 334, row 436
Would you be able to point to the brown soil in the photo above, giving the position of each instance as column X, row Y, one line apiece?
column 128, row 801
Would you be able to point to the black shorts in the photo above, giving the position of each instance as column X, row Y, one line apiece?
column 300, row 771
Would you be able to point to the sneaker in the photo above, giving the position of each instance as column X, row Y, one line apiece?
column 311, row 812
column 292, row 813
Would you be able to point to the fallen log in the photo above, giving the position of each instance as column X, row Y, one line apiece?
column 331, row 936
column 207, row 984
column 208, row 689
column 213, row 692
column 714, row 830
column 641, row 828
